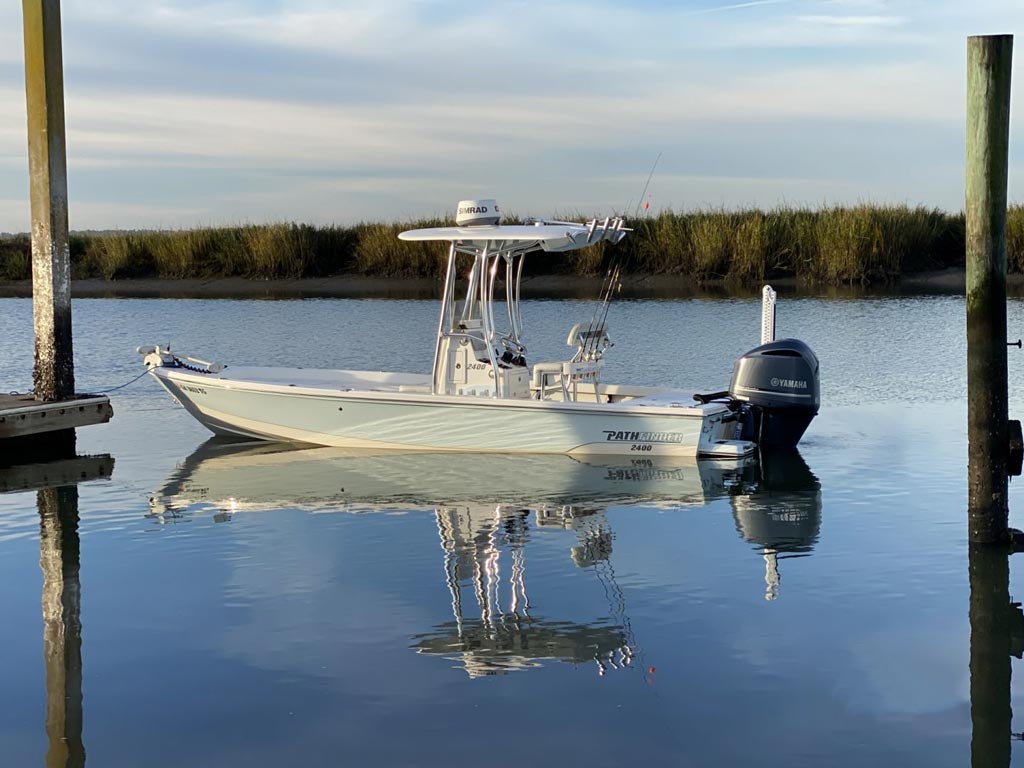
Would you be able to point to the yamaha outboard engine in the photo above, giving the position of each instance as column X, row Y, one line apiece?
column 780, row 386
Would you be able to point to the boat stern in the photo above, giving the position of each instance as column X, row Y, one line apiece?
column 719, row 433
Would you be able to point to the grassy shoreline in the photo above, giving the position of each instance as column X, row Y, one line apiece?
column 565, row 286
column 840, row 245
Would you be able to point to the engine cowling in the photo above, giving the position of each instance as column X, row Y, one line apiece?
column 780, row 383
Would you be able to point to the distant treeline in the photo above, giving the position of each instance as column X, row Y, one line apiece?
column 833, row 245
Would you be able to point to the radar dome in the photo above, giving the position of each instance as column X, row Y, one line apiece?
column 473, row 213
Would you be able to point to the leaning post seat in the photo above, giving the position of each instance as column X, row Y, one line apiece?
column 591, row 341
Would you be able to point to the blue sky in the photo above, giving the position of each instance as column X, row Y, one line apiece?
column 186, row 113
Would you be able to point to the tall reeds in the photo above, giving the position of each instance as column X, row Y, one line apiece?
column 1015, row 239
column 831, row 245
column 15, row 257
column 377, row 251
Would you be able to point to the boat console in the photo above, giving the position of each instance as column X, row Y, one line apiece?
column 480, row 350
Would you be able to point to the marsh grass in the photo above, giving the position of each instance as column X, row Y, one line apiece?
column 1015, row 238
column 203, row 252
column 378, row 252
column 831, row 245
column 15, row 257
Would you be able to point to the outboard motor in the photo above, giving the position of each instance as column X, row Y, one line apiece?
column 779, row 384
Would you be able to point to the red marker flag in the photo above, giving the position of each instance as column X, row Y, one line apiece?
column 647, row 204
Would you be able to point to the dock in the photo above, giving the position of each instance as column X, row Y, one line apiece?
column 35, row 431
column 23, row 415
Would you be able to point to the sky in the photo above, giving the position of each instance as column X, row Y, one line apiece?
column 184, row 113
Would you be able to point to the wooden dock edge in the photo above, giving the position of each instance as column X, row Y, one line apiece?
column 22, row 416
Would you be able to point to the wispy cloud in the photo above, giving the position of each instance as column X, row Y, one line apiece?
column 859, row 5
column 735, row 7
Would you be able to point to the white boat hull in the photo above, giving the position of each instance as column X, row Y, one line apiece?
column 316, row 408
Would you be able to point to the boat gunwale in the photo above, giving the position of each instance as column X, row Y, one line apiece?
column 699, row 410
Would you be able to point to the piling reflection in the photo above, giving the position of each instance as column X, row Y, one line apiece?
column 62, row 624
column 490, row 511
column 997, row 632
column 56, row 491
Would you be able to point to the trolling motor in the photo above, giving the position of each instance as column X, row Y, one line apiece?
column 775, row 390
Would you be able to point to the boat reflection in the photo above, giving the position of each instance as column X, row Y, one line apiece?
column 781, row 513
column 509, row 635
column 489, row 510
column 223, row 478
column 776, row 505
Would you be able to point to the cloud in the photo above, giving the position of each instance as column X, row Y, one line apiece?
column 271, row 133
column 312, row 109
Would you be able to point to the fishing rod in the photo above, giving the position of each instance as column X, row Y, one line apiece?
column 584, row 352
column 611, row 284
column 614, row 285
column 593, row 319
column 643, row 194
column 601, row 313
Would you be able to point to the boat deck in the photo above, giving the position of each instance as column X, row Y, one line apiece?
column 329, row 380
column 322, row 378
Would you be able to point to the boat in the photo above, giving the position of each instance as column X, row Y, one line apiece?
column 483, row 395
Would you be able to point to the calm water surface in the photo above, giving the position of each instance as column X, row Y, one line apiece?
column 225, row 605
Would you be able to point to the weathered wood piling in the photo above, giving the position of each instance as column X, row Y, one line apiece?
column 43, row 425
column 54, row 372
column 988, row 135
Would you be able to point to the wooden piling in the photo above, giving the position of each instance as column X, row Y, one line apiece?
column 988, row 135
column 54, row 372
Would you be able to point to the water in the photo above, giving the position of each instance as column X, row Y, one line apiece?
column 265, row 607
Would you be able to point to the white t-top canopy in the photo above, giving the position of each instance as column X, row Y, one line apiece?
column 560, row 236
